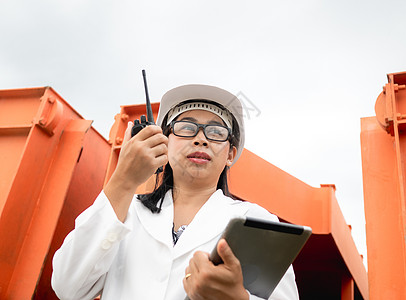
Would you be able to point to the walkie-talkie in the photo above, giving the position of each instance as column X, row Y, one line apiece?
column 143, row 122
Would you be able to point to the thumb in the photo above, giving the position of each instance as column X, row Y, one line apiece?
column 226, row 254
column 127, row 134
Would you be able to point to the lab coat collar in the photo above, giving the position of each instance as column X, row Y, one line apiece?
column 158, row 225
column 207, row 224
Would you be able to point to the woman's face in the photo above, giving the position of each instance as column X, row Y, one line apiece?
column 197, row 158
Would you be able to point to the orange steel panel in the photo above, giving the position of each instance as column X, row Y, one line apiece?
column 384, row 190
column 16, row 116
column 43, row 221
column 19, row 202
column 347, row 288
column 11, row 149
column 41, row 139
column 85, row 184
column 254, row 179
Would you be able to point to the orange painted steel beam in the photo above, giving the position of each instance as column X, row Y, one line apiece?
column 329, row 256
column 383, row 147
column 85, row 184
column 347, row 288
column 43, row 221
column 41, row 143
column 31, row 133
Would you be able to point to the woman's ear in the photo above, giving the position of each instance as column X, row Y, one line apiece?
column 231, row 155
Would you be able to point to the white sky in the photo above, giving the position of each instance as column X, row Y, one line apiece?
column 313, row 68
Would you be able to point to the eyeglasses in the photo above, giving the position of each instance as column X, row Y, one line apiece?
column 216, row 133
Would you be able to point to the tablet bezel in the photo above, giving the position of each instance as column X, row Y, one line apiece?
column 265, row 249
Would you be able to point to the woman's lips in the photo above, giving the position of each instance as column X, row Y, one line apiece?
column 199, row 157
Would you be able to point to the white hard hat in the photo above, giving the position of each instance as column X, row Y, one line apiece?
column 202, row 93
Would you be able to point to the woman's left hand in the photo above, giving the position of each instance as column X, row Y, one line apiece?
column 207, row 281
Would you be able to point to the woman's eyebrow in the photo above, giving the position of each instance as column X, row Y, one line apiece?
column 215, row 123
column 212, row 122
column 188, row 119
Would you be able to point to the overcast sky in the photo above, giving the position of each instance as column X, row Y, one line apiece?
column 312, row 68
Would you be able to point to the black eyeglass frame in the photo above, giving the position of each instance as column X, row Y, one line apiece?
column 203, row 126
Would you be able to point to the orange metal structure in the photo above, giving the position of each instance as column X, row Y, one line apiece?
column 52, row 166
column 383, row 145
column 52, row 174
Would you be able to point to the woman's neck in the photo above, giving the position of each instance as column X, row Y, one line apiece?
column 187, row 201
column 192, row 195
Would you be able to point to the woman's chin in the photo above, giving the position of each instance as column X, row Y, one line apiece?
column 196, row 175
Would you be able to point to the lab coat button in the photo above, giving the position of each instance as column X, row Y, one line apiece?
column 112, row 237
column 105, row 245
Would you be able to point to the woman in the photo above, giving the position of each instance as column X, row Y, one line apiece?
column 156, row 246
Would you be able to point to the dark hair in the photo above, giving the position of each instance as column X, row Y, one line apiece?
column 164, row 180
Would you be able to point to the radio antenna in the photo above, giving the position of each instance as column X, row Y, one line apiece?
column 150, row 116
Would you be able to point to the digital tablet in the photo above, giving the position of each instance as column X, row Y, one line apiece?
column 265, row 250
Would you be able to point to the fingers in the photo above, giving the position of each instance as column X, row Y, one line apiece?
column 226, row 254
column 207, row 281
column 199, row 264
column 197, row 273
column 155, row 140
column 199, row 261
column 151, row 136
column 148, row 131
column 143, row 134
column 142, row 154
column 127, row 134
column 158, row 145
column 151, row 139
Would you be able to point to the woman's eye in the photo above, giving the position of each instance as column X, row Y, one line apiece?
column 213, row 130
column 187, row 127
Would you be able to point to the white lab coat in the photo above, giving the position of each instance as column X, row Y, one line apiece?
column 136, row 259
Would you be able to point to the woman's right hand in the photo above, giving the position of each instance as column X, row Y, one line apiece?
column 141, row 155
column 139, row 158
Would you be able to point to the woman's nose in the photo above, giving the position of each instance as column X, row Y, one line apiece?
column 200, row 138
